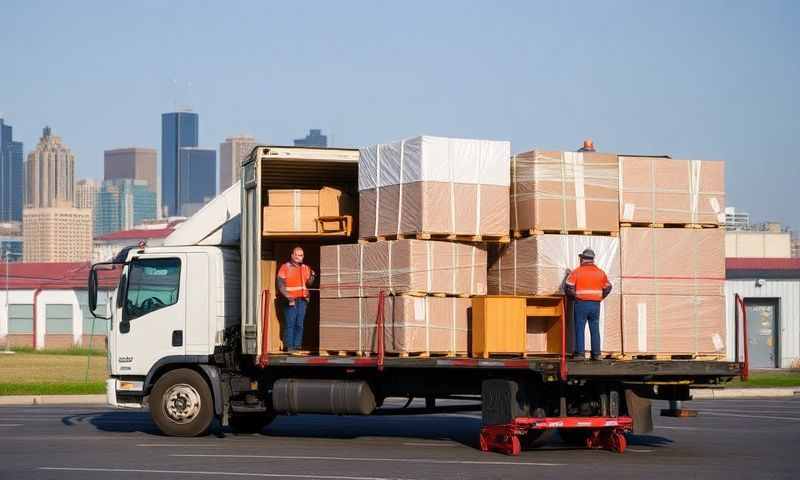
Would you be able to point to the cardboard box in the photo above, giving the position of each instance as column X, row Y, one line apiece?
column 293, row 198
column 334, row 203
column 402, row 266
column 434, row 185
column 673, row 261
column 290, row 219
column 664, row 190
column 674, row 324
column 412, row 324
column 565, row 191
column 269, row 270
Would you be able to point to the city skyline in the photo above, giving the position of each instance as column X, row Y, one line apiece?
column 721, row 89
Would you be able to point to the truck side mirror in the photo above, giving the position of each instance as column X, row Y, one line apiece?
column 92, row 290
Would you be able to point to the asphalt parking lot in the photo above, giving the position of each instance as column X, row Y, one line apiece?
column 730, row 439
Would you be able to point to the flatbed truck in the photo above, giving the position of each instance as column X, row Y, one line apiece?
column 189, row 338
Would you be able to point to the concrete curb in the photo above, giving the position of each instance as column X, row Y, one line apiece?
column 724, row 393
column 53, row 400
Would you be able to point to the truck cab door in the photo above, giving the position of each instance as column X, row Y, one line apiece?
column 150, row 313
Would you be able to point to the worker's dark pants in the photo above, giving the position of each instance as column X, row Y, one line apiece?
column 293, row 317
column 583, row 311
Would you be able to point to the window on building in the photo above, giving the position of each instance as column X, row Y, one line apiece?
column 100, row 325
column 58, row 318
column 20, row 318
column 152, row 284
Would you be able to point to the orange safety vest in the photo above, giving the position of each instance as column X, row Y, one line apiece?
column 295, row 278
column 589, row 281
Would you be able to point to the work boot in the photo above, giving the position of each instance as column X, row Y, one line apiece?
column 597, row 357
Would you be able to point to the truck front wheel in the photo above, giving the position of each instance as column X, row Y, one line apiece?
column 181, row 404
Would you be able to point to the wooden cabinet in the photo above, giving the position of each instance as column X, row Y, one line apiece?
column 498, row 325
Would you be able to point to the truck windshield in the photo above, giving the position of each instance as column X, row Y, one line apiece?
column 152, row 284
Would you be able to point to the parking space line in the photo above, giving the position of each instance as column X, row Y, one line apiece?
column 201, row 472
column 636, row 450
column 768, row 417
column 422, row 444
column 370, row 459
column 10, row 424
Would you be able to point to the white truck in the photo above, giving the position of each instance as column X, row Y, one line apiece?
column 188, row 337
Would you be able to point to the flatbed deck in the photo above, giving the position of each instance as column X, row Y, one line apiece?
column 543, row 365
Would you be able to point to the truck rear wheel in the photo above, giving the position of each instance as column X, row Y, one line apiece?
column 181, row 404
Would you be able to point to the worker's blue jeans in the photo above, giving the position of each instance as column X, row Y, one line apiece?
column 293, row 317
column 583, row 311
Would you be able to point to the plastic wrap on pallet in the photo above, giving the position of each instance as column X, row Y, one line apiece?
column 539, row 264
column 402, row 266
column 673, row 261
column 565, row 191
column 673, row 324
column 434, row 185
column 664, row 190
column 411, row 324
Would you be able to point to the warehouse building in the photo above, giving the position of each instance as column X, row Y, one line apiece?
column 770, row 288
column 45, row 305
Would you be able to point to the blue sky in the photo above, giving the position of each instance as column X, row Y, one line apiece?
column 708, row 80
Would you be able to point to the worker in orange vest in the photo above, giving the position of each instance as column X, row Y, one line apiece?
column 588, row 285
column 294, row 280
column 588, row 146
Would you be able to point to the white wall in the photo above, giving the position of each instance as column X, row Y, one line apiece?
column 788, row 293
column 62, row 297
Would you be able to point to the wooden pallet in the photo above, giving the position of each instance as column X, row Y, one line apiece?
column 343, row 353
column 670, row 225
column 439, row 236
column 419, row 293
column 673, row 356
column 535, row 231
column 425, row 354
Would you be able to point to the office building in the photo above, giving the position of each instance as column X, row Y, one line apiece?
column 121, row 204
column 231, row 154
column 198, row 179
column 50, row 174
column 86, row 193
column 315, row 138
column 11, row 175
column 178, row 130
column 133, row 163
column 57, row 234
column 736, row 220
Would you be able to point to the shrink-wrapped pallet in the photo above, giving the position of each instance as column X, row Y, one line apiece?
column 538, row 265
column 565, row 191
column 673, row 261
column 402, row 266
column 664, row 190
column 673, row 324
column 411, row 324
column 434, row 185
column 673, row 285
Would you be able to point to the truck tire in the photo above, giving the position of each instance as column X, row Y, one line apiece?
column 181, row 404
column 250, row 422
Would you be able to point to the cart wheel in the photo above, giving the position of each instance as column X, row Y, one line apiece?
column 618, row 442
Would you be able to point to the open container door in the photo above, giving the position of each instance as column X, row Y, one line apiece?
column 276, row 167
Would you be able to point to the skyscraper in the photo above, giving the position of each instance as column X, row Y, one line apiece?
column 197, row 177
column 231, row 154
column 134, row 163
column 122, row 204
column 11, row 175
column 178, row 130
column 50, row 174
column 86, row 193
column 315, row 138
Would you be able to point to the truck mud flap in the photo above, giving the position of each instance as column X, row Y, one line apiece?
column 640, row 410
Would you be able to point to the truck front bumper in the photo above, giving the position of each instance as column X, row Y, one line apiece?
column 112, row 385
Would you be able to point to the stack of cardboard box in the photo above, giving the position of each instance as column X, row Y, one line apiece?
column 410, row 191
column 673, row 256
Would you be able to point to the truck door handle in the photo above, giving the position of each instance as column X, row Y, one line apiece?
column 177, row 338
